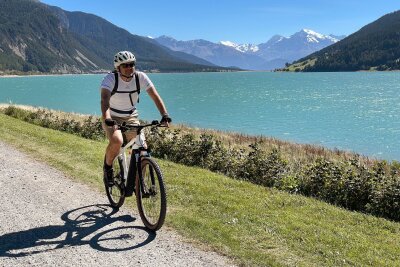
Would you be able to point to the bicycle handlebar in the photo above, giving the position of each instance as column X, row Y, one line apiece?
column 125, row 127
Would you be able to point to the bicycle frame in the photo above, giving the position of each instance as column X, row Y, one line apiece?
column 138, row 151
column 130, row 148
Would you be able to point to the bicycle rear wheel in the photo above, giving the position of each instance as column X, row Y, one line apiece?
column 151, row 196
column 116, row 192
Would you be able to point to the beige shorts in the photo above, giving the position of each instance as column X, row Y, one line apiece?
column 128, row 135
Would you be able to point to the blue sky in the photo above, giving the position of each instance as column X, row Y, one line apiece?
column 240, row 21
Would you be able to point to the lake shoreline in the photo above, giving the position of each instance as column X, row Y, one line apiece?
column 348, row 111
column 46, row 75
column 230, row 137
column 2, row 75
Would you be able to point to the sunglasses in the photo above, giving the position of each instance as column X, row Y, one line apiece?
column 128, row 65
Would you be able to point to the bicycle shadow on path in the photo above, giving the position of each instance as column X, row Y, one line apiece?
column 81, row 227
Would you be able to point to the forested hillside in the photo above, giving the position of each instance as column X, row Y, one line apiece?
column 35, row 37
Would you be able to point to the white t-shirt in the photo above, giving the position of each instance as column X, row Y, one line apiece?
column 122, row 101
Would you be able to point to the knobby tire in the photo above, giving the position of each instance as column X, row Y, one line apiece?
column 153, row 207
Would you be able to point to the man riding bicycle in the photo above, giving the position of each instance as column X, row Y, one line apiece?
column 120, row 91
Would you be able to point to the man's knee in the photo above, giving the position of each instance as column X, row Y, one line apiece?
column 116, row 140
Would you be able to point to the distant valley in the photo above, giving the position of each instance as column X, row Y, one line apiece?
column 274, row 53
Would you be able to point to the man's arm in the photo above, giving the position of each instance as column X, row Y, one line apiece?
column 157, row 100
column 105, row 104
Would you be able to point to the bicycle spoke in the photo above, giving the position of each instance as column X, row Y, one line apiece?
column 116, row 192
column 152, row 202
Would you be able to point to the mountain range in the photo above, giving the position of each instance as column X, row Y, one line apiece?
column 38, row 38
column 265, row 56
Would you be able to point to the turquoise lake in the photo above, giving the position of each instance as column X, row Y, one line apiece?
column 357, row 111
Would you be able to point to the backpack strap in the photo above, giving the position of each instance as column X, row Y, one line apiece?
column 115, row 90
column 137, row 85
column 123, row 111
column 115, row 83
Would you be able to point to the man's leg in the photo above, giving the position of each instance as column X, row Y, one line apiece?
column 133, row 120
column 115, row 141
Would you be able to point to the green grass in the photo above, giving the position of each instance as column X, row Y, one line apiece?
column 300, row 65
column 252, row 225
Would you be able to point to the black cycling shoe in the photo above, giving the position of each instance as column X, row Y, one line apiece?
column 108, row 177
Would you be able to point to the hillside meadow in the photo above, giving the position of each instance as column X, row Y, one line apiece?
column 342, row 178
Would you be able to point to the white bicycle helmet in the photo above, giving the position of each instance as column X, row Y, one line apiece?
column 123, row 57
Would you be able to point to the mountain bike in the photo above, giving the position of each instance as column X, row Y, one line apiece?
column 135, row 171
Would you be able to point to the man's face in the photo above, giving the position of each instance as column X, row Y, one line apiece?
column 127, row 69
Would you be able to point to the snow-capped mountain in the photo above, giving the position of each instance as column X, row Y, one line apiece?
column 242, row 47
column 309, row 36
column 296, row 46
column 216, row 53
column 265, row 56
column 290, row 48
column 314, row 37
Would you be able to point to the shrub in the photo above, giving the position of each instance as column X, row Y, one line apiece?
column 324, row 180
column 385, row 200
column 358, row 186
column 89, row 127
column 262, row 168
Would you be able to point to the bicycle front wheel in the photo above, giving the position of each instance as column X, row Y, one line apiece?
column 151, row 196
column 116, row 192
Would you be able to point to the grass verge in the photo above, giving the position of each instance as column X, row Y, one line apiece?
column 253, row 225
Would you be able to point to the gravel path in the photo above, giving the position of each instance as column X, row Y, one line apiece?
column 47, row 219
